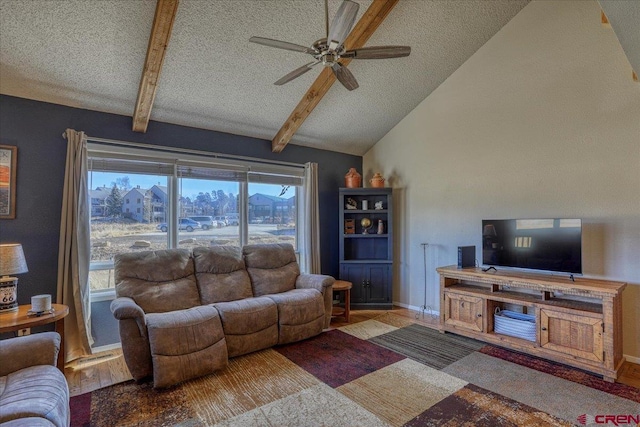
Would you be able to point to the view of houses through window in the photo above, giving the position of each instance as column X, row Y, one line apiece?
column 131, row 212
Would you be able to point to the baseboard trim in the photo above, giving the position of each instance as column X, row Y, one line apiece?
column 429, row 309
column 632, row 359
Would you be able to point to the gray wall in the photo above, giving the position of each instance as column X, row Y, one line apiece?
column 36, row 129
column 543, row 121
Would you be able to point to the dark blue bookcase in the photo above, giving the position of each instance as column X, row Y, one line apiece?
column 366, row 255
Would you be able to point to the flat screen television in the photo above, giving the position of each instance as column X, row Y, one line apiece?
column 553, row 245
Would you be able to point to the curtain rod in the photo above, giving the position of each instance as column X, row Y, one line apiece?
column 189, row 151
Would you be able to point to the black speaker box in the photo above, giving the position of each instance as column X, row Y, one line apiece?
column 466, row 256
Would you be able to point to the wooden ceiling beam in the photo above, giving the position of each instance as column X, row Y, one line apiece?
column 158, row 41
column 604, row 20
column 358, row 36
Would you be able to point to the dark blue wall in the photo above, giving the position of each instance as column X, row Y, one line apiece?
column 36, row 129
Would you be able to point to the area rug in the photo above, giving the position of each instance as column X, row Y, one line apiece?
column 428, row 346
column 398, row 376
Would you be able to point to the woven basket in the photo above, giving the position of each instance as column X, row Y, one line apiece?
column 515, row 324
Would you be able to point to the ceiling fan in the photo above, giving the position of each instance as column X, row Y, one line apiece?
column 327, row 51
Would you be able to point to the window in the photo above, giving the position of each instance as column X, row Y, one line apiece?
column 272, row 213
column 184, row 200
column 208, row 201
column 117, row 230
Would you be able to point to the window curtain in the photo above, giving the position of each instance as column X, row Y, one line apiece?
column 74, row 249
column 311, row 226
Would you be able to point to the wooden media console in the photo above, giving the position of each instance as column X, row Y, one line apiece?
column 578, row 323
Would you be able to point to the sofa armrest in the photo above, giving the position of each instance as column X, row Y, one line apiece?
column 31, row 350
column 126, row 308
column 320, row 282
column 132, row 323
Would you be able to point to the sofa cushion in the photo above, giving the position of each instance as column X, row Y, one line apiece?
column 29, row 422
column 300, row 314
column 38, row 391
column 273, row 268
column 158, row 281
column 221, row 274
column 298, row 306
column 249, row 325
column 185, row 344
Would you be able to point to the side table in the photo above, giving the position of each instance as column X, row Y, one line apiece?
column 12, row 321
column 343, row 286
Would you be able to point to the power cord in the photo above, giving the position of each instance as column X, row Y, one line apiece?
column 425, row 307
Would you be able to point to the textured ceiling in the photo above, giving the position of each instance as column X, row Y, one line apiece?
column 90, row 54
column 624, row 16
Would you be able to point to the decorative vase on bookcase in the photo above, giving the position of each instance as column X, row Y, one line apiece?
column 377, row 181
column 352, row 179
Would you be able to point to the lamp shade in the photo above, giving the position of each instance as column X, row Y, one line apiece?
column 489, row 230
column 12, row 259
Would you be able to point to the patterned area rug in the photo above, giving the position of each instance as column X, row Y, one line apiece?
column 428, row 346
column 383, row 372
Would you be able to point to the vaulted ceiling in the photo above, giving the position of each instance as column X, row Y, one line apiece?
column 91, row 54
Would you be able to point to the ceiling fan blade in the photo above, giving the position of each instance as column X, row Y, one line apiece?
column 282, row 45
column 378, row 52
column 342, row 23
column 344, row 76
column 296, row 73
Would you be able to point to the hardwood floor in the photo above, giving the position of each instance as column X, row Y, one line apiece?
column 107, row 368
column 98, row 371
column 630, row 374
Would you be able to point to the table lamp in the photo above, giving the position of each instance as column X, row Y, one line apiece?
column 11, row 262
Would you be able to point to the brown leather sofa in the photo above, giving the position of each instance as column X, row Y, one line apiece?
column 182, row 314
column 33, row 392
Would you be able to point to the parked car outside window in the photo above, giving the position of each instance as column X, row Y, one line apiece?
column 222, row 219
column 183, row 224
column 207, row 222
column 233, row 219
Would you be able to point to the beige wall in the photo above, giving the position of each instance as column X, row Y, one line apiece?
column 543, row 121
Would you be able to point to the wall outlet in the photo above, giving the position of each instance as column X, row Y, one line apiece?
column 24, row 331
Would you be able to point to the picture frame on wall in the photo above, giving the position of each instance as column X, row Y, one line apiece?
column 8, row 162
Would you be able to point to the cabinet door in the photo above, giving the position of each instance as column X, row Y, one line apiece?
column 577, row 335
column 357, row 275
column 378, row 284
column 371, row 282
column 463, row 311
